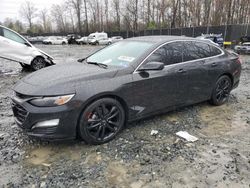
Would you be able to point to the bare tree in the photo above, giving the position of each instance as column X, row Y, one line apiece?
column 77, row 5
column 28, row 11
column 86, row 16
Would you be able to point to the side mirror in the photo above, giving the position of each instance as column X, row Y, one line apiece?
column 152, row 66
column 27, row 44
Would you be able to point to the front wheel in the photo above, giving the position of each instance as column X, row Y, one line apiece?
column 221, row 90
column 38, row 63
column 101, row 121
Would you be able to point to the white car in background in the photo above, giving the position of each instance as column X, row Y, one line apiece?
column 116, row 39
column 83, row 40
column 108, row 41
column 55, row 40
column 16, row 48
column 242, row 49
column 94, row 38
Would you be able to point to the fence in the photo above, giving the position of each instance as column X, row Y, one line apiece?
column 229, row 32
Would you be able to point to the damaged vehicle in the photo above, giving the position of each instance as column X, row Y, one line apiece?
column 126, row 81
column 16, row 48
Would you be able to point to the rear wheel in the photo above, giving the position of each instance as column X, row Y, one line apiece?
column 221, row 90
column 101, row 121
column 63, row 43
column 38, row 63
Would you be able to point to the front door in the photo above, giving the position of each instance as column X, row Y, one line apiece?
column 13, row 47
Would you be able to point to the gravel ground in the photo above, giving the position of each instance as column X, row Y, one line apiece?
column 135, row 159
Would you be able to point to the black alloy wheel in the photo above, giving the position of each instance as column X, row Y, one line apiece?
column 101, row 121
column 38, row 63
column 221, row 91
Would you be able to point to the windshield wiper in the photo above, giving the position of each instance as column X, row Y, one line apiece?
column 102, row 65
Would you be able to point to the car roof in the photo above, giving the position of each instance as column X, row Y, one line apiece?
column 159, row 39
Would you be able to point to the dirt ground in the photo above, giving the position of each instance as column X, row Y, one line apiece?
column 135, row 159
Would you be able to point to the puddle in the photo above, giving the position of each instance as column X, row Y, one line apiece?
column 117, row 175
column 216, row 120
column 9, row 72
column 48, row 154
column 40, row 155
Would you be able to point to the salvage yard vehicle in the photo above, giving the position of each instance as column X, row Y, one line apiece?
column 243, row 49
column 72, row 38
column 83, row 40
column 55, row 40
column 108, row 41
column 16, row 48
column 94, row 38
column 126, row 81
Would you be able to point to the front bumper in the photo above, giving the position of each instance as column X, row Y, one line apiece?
column 28, row 116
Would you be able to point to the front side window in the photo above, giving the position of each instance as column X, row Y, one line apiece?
column 12, row 36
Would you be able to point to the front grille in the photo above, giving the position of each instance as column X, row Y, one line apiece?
column 19, row 112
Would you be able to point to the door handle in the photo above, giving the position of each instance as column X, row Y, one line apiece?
column 182, row 71
column 214, row 64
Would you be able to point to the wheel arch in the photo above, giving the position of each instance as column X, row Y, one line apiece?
column 100, row 96
column 229, row 75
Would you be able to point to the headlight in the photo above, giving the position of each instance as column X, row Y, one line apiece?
column 51, row 101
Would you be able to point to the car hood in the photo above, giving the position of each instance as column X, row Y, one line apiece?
column 61, row 79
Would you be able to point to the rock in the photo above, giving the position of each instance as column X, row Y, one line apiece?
column 154, row 132
column 15, row 158
column 214, row 151
column 42, row 184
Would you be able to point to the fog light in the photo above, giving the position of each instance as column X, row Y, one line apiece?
column 48, row 123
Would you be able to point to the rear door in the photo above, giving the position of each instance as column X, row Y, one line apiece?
column 13, row 47
column 193, row 77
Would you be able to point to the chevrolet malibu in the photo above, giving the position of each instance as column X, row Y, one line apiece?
column 123, row 82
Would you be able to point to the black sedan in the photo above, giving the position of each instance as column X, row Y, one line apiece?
column 126, row 81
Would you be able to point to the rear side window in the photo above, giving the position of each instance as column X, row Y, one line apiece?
column 214, row 51
column 12, row 36
column 198, row 50
column 195, row 50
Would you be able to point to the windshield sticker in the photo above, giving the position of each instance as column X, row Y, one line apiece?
column 126, row 58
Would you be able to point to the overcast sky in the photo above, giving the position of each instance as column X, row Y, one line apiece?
column 10, row 8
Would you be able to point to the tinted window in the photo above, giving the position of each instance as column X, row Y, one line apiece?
column 168, row 54
column 12, row 36
column 196, row 50
column 214, row 51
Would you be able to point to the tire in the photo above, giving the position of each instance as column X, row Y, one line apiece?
column 101, row 121
column 49, row 43
column 38, row 63
column 221, row 91
column 63, row 43
column 109, row 43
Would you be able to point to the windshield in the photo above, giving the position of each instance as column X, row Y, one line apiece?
column 120, row 54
